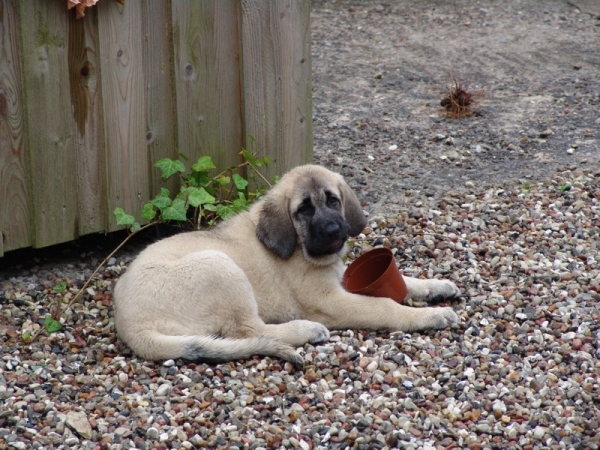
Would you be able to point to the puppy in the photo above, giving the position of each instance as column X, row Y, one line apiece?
column 263, row 282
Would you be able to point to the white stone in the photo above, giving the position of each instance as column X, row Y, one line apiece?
column 78, row 422
column 164, row 389
column 18, row 445
column 152, row 433
column 372, row 366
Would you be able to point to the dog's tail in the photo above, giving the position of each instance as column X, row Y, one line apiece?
column 156, row 346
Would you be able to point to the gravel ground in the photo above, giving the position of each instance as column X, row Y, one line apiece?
column 514, row 224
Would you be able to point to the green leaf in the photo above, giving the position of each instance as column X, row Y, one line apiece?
column 122, row 218
column 198, row 197
column 175, row 212
column 162, row 200
column 249, row 156
column 183, row 193
column 169, row 167
column 240, row 182
column 60, row 287
column 267, row 160
column 204, row 163
column 148, row 211
column 240, row 203
column 197, row 179
column 222, row 180
column 26, row 336
column 225, row 211
column 136, row 226
column 52, row 325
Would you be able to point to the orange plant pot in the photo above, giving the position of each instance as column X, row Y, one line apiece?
column 375, row 274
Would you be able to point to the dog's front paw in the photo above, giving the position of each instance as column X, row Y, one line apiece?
column 432, row 291
column 319, row 333
column 443, row 318
column 443, row 290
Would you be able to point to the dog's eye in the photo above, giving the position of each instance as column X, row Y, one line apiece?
column 333, row 202
column 306, row 207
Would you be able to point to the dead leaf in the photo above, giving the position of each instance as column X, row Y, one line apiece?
column 80, row 6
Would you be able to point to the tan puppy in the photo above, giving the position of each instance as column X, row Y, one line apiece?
column 262, row 282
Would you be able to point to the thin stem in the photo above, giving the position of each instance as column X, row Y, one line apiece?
column 197, row 215
column 260, row 175
column 89, row 280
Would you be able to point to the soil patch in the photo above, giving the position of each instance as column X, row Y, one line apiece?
column 381, row 70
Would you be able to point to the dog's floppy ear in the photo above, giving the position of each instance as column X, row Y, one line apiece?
column 275, row 228
column 353, row 212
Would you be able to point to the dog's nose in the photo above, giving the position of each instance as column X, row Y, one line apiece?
column 332, row 229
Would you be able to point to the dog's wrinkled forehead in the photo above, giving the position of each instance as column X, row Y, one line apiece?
column 317, row 187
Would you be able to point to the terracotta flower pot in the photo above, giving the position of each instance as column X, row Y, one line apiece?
column 375, row 274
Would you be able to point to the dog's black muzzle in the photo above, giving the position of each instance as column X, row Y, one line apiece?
column 327, row 234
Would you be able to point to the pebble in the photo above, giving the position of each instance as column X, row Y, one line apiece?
column 18, row 445
column 152, row 434
column 163, row 390
column 78, row 422
column 539, row 432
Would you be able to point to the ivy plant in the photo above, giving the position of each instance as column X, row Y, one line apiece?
column 203, row 198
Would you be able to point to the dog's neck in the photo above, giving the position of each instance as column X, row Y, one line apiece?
column 326, row 260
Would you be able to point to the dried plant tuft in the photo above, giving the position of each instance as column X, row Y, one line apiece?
column 458, row 101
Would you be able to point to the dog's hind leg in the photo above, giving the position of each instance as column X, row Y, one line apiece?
column 158, row 346
column 297, row 332
column 204, row 308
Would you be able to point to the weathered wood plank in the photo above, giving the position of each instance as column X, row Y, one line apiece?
column 277, row 89
column 86, row 106
column 49, row 130
column 15, row 227
column 207, row 80
column 121, row 53
column 160, row 98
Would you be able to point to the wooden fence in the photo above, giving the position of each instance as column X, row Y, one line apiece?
column 88, row 105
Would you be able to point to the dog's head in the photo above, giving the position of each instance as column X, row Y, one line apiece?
column 311, row 207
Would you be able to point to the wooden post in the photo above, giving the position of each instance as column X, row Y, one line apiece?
column 87, row 115
column 160, row 96
column 15, row 210
column 277, row 89
column 123, row 88
column 206, row 43
column 50, row 130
